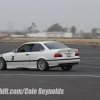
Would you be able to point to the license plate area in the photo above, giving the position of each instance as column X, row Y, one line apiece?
column 68, row 54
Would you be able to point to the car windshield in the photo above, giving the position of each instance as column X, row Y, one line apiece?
column 55, row 45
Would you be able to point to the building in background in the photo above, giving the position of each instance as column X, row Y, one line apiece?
column 51, row 35
column 10, row 27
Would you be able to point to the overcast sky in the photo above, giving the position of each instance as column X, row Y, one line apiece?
column 84, row 14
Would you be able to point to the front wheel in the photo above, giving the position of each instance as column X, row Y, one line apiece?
column 42, row 65
column 66, row 68
column 3, row 65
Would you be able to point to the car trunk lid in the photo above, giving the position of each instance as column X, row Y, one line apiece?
column 68, row 52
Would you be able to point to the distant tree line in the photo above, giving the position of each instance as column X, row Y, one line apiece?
column 95, row 32
column 58, row 28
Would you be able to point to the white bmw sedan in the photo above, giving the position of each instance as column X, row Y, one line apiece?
column 41, row 55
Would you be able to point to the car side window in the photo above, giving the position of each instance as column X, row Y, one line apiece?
column 25, row 48
column 37, row 47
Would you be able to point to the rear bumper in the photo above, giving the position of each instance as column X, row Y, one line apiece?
column 70, row 63
column 57, row 62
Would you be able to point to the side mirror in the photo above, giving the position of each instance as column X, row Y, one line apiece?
column 15, row 50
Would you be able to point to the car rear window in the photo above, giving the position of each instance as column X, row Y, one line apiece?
column 55, row 45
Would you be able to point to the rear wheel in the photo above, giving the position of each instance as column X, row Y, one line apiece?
column 42, row 65
column 66, row 68
column 3, row 65
column 25, row 68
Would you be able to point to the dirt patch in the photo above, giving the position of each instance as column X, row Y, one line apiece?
column 69, row 41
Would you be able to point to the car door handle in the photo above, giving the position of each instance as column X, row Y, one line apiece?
column 27, row 54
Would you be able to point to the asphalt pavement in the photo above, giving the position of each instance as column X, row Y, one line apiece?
column 80, row 83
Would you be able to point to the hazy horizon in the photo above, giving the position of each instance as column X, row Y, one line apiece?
column 84, row 14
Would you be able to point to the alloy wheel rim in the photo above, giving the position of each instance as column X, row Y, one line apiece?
column 1, row 63
column 41, row 64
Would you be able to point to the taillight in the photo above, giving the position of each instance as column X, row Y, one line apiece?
column 57, row 55
column 17, row 47
column 77, row 54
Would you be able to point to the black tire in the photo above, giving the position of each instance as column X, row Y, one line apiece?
column 3, row 65
column 42, row 65
column 66, row 68
column 25, row 68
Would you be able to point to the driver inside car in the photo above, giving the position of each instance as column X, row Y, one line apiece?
column 28, row 50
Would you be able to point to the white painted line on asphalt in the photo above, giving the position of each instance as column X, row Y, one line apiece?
column 88, row 67
column 88, row 61
column 51, row 75
column 90, row 57
column 91, row 63
column 89, row 51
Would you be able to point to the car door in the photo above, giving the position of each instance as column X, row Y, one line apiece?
column 37, row 51
column 22, row 55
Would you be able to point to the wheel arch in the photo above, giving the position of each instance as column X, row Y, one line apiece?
column 5, row 64
column 47, row 65
column 41, row 58
column 3, row 58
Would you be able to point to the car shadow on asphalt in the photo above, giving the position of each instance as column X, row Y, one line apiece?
column 36, row 70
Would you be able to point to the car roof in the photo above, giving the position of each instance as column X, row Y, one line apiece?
column 41, row 42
